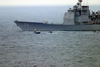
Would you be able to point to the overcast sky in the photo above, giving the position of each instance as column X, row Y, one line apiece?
column 45, row 2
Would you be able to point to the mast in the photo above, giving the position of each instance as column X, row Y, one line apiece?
column 79, row 4
column 80, row 1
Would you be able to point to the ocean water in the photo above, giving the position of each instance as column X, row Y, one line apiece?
column 59, row 49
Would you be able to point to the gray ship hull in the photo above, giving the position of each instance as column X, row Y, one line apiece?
column 30, row 26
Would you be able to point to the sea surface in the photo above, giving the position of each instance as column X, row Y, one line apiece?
column 58, row 49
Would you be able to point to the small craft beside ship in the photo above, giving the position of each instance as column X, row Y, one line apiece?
column 76, row 19
column 36, row 31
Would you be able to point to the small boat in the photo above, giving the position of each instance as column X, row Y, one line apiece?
column 36, row 31
column 50, row 31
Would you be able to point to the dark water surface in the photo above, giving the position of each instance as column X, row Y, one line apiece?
column 58, row 49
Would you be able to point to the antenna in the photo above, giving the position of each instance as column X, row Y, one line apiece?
column 68, row 6
column 87, row 2
column 84, row 2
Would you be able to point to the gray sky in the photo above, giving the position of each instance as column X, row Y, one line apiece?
column 46, row 2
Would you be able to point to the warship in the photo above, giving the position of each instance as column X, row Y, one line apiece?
column 78, row 18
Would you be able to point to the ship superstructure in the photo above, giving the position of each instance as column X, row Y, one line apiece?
column 77, row 18
column 80, row 15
